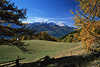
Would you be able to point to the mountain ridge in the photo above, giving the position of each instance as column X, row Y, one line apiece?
column 52, row 28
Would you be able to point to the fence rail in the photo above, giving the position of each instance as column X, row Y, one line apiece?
column 13, row 62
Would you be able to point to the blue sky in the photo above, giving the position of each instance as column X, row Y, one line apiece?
column 57, row 11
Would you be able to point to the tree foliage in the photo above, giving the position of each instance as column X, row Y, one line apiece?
column 87, row 19
column 10, row 14
column 71, row 37
column 45, row 36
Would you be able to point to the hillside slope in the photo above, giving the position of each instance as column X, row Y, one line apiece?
column 38, row 49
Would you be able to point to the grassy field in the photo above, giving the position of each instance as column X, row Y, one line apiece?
column 37, row 49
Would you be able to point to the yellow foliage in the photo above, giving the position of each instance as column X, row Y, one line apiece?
column 85, row 19
column 72, row 12
column 88, row 34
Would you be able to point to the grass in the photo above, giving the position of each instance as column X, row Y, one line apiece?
column 37, row 49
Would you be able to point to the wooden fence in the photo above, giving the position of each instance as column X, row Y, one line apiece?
column 13, row 62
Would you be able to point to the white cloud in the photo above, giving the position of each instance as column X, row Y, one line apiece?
column 58, row 21
column 36, row 19
column 40, row 20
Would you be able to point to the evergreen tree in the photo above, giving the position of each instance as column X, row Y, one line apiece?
column 10, row 15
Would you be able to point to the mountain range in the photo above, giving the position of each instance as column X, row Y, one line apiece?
column 52, row 28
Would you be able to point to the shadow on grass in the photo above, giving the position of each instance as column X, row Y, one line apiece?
column 21, row 45
column 68, row 61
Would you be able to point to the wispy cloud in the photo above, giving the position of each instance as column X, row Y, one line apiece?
column 59, row 21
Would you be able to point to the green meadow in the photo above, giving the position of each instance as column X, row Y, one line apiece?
column 36, row 50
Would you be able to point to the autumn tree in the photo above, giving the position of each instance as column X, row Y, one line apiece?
column 10, row 15
column 27, row 34
column 87, row 19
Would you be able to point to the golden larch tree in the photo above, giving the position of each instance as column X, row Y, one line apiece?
column 87, row 19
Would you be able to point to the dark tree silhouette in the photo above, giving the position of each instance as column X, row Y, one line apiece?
column 10, row 15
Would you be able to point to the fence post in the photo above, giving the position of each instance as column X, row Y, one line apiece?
column 17, row 62
column 71, row 53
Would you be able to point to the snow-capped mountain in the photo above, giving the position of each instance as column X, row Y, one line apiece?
column 54, row 29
